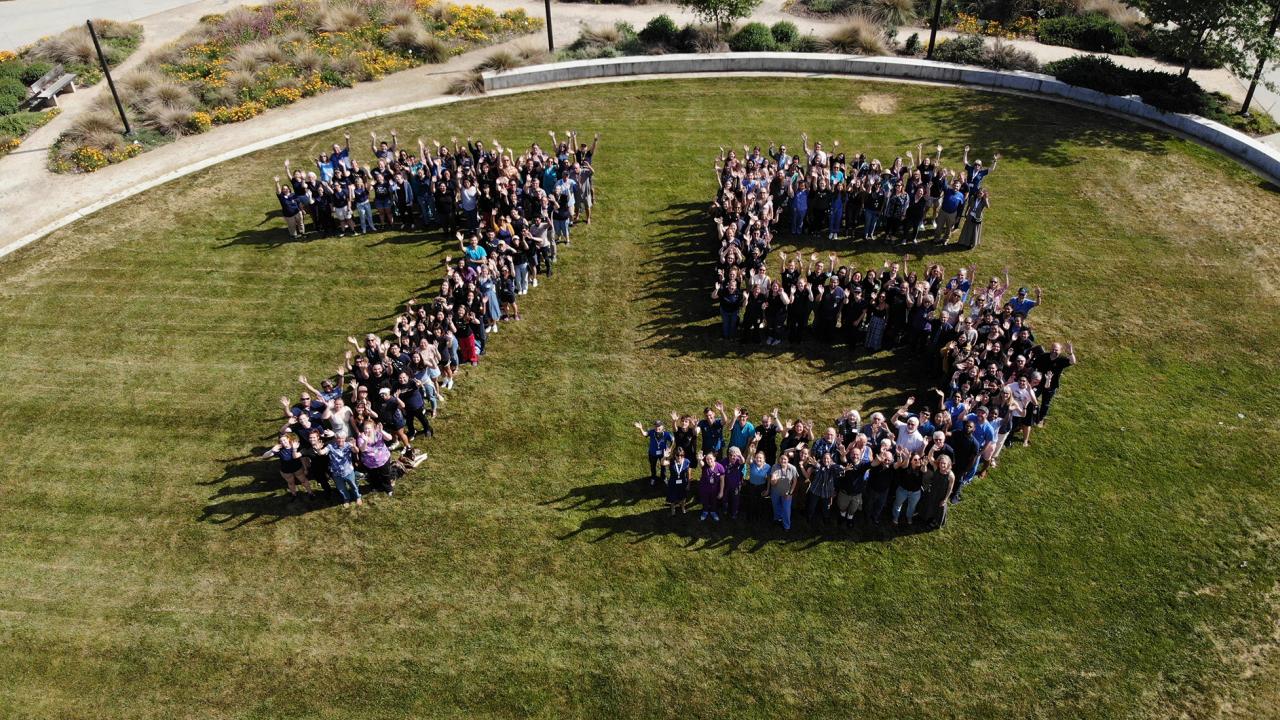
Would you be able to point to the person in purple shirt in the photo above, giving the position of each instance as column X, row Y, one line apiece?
column 711, row 487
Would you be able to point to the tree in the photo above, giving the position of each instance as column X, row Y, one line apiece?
column 1258, row 40
column 1193, row 24
column 721, row 13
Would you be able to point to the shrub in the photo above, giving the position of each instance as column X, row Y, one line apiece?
column 1092, row 32
column 661, row 30
column 821, row 7
column 1003, row 56
column 861, row 36
column 784, row 32
column 471, row 83
column 12, row 95
column 1125, row 15
column 1166, row 91
column 33, row 71
column 806, row 44
column 912, row 45
column 963, row 50
column 697, row 38
column 199, row 122
column 753, row 37
column 1159, row 43
column 499, row 61
column 237, row 113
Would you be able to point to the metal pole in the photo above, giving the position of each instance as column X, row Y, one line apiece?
column 933, row 28
column 1262, row 62
column 551, row 43
column 110, row 83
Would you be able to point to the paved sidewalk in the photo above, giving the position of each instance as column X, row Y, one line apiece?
column 32, row 198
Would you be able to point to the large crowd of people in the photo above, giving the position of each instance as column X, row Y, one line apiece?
column 996, row 381
column 506, row 209
column 850, row 195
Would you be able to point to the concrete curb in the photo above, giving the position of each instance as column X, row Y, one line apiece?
column 1256, row 155
column 210, row 162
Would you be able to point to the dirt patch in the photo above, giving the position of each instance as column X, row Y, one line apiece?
column 876, row 104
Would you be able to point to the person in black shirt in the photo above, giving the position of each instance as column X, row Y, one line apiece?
column 315, row 458
column 1051, row 365
column 730, row 297
column 291, row 209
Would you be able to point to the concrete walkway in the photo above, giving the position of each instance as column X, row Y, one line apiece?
column 32, row 197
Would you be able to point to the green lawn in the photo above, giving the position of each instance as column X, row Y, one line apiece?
column 1126, row 566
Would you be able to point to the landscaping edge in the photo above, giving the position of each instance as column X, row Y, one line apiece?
column 1253, row 154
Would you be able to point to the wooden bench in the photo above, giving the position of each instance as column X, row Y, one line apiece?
column 46, row 89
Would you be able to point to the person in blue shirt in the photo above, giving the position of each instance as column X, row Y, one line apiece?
column 742, row 431
column 949, row 211
column 474, row 252
column 975, row 173
column 711, row 429
column 799, row 206
column 660, row 442
column 1022, row 304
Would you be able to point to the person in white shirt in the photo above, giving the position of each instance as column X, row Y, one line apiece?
column 909, row 437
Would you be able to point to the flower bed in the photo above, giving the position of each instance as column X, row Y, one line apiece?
column 237, row 65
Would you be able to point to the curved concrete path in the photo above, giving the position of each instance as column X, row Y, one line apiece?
column 32, row 199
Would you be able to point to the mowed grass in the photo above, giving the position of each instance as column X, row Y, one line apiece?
column 1125, row 566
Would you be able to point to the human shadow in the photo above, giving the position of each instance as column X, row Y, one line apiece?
column 251, row 490
column 750, row 532
column 1040, row 133
column 685, row 320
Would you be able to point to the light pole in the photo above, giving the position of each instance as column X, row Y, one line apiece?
column 551, row 43
column 110, row 83
column 933, row 28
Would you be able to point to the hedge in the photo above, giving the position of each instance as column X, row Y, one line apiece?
column 1093, row 32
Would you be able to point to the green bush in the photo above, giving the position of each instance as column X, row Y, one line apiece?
column 963, row 50
column 21, row 123
column 784, row 32
column 912, row 45
column 33, row 71
column 12, row 93
column 1001, row 55
column 821, row 7
column 1166, row 91
column 753, row 37
column 1160, row 44
column 661, row 30
column 806, row 44
column 1093, row 32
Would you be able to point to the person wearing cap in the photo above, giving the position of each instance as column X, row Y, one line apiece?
column 390, row 411
column 1022, row 304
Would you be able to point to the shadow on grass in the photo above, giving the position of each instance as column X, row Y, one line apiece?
column 1040, row 133
column 686, row 320
column 751, row 531
column 251, row 490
